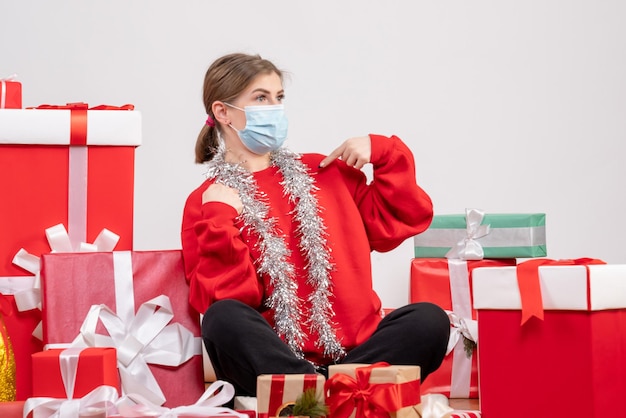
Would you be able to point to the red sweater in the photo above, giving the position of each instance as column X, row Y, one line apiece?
column 359, row 217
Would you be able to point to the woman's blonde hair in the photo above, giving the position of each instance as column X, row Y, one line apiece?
column 225, row 79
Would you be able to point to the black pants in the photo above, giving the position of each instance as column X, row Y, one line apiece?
column 242, row 345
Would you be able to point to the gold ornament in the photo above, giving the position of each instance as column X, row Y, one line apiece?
column 7, row 365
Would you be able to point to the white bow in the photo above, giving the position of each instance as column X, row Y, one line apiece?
column 468, row 248
column 209, row 404
column 462, row 328
column 434, row 405
column 147, row 338
column 102, row 398
column 28, row 293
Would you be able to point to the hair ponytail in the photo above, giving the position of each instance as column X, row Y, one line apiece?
column 206, row 144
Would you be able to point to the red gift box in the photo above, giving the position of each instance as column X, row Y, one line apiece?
column 10, row 93
column 124, row 288
column 48, row 179
column 447, row 283
column 275, row 390
column 86, row 368
column 570, row 363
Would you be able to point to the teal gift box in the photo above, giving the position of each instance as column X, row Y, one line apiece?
column 477, row 235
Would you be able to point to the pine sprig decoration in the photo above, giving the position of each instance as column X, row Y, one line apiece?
column 469, row 345
column 307, row 405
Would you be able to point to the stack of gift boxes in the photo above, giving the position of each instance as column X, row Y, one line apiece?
column 530, row 336
column 84, row 319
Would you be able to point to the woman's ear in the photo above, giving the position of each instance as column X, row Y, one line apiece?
column 220, row 112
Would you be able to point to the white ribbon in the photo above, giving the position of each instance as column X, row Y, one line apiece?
column 434, row 405
column 3, row 89
column 463, row 326
column 468, row 248
column 209, row 404
column 147, row 338
column 100, row 400
column 29, row 297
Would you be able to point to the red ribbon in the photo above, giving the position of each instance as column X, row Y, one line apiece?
column 529, row 287
column 78, row 118
column 345, row 394
column 82, row 105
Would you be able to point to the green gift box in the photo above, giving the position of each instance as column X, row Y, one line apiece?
column 477, row 235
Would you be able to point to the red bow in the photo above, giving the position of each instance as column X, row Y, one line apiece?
column 345, row 394
column 529, row 287
column 78, row 121
column 84, row 106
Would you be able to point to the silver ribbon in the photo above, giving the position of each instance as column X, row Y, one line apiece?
column 469, row 248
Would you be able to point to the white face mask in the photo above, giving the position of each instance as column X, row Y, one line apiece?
column 266, row 127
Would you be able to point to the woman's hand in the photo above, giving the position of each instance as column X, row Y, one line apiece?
column 355, row 152
column 217, row 192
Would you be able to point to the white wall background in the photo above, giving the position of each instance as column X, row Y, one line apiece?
column 509, row 106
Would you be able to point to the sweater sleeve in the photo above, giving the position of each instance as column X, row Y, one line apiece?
column 217, row 260
column 393, row 206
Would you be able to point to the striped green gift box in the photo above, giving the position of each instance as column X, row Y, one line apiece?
column 515, row 235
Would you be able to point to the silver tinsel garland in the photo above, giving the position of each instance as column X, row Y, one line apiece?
column 274, row 261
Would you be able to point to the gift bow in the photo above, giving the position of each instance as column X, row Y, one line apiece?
column 462, row 328
column 85, row 106
column 102, row 398
column 468, row 248
column 147, row 338
column 209, row 404
column 28, row 294
column 530, row 287
column 347, row 394
column 434, row 405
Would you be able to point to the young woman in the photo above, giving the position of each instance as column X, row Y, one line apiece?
column 277, row 244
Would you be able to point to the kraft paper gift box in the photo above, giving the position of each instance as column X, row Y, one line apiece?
column 352, row 389
column 276, row 390
column 73, row 167
column 498, row 235
column 447, row 283
column 10, row 93
column 135, row 301
column 82, row 370
column 571, row 362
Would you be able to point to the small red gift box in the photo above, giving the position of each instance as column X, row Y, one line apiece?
column 276, row 390
column 141, row 298
column 68, row 166
column 82, row 370
column 447, row 283
column 571, row 362
column 10, row 93
column 352, row 390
